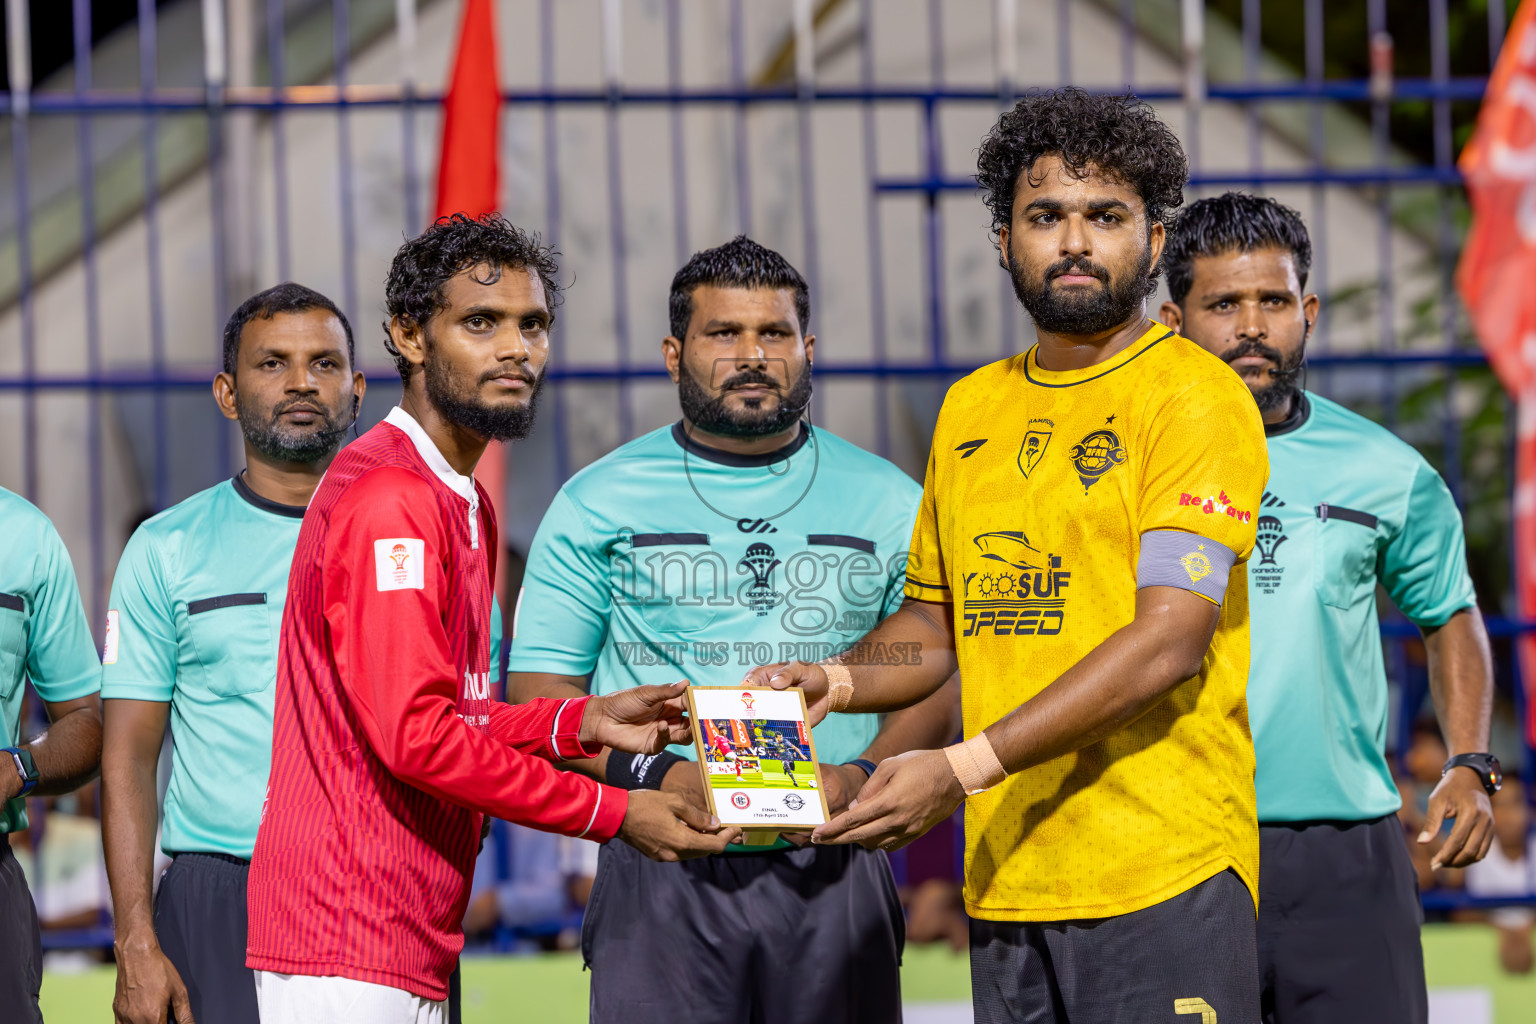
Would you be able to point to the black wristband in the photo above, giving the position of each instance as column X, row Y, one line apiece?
column 640, row 771
column 868, row 766
column 1485, row 765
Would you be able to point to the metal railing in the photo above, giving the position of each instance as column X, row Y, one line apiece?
column 1250, row 89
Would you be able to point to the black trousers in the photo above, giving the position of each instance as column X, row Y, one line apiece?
column 1339, row 919
column 1192, row 954
column 806, row 936
column 200, row 920
column 21, row 944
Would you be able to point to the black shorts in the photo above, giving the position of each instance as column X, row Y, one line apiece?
column 1339, row 918
column 200, row 920
column 1190, row 958
column 21, row 944
column 778, row 937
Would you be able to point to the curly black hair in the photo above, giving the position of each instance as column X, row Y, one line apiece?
column 739, row 263
column 413, row 291
column 1119, row 136
column 1232, row 222
column 287, row 297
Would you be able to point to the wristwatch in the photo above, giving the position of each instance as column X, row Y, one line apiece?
column 21, row 757
column 1486, row 766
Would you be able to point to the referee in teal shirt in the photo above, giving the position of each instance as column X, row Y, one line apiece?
column 44, row 639
column 738, row 535
column 1349, row 507
column 192, row 638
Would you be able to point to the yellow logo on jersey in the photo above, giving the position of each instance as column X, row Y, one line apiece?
column 1196, row 564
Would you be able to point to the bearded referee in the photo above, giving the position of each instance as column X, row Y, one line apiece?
column 1349, row 508
column 44, row 640
column 387, row 749
column 682, row 553
column 1098, row 613
column 192, row 635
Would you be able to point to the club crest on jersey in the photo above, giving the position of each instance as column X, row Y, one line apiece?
column 760, row 561
column 399, row 563
column 1196, row 564
column 1036, row 438
column 1095, row 455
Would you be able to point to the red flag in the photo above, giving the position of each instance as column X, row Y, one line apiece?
column 469, row 178
column 1497, row 279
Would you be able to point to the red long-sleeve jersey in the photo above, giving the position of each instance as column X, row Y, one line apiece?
column 386, row 746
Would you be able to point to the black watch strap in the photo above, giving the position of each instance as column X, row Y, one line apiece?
column 1486, row 766
column 865, row 764
column 21, row 759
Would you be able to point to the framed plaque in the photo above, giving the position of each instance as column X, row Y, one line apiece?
column 758, row 758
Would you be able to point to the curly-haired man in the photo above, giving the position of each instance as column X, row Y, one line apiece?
column 386, row 747
column 1079, row 551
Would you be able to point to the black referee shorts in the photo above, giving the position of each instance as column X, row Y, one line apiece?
column 1190, row 958
column 779, row 937
column 1339, row 919
column 200, row 920
column 21, row 944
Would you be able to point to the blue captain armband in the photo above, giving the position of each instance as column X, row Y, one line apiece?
column 1173, row 558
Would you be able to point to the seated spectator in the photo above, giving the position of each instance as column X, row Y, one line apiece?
column 1509, row 870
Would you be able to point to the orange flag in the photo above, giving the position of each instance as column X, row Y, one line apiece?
column 1497, row 280
column 469, row 178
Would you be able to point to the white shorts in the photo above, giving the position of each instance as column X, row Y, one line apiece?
column 304, row 999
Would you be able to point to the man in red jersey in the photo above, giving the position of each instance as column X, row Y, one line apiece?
column 387, row 749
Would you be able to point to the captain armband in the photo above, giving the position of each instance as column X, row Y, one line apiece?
column 1173, row 558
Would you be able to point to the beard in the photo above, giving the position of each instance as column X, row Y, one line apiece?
column 710, row 413
column 1282, row 383
column 462, row 405
column 1082, row 310
column 291, row 442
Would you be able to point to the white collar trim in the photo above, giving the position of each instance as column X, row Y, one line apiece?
column 459, row 484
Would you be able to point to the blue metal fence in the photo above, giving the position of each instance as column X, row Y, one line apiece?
column 276, row 103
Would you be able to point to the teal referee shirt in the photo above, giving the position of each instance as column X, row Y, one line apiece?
column 668, row 560
column 194, row 619
column 1349, row 506
column 43, row 633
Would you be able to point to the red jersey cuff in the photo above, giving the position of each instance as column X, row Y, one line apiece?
column 608, row 815
column 565, row 731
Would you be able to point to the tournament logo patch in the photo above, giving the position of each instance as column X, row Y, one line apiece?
column 747, row 700
column 1095, row 455
column 1271, row 534
column 1196, row 564
column 740, row 801
column 399, row 563
column 1036, row 438
column 1268, row 574
column 760, row 562
column 794, row 801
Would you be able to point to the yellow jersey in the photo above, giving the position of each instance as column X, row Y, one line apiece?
column 1039, row 488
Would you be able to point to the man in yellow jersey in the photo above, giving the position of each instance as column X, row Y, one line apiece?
column 1079, row 553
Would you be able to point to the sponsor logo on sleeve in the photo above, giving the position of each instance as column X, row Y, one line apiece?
column 400, row 563
column 109, row 645
column 1221, row 505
